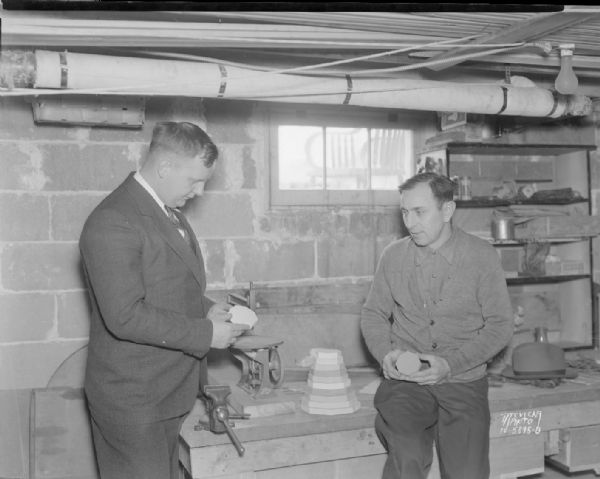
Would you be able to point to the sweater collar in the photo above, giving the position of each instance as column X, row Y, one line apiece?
column 447, row 250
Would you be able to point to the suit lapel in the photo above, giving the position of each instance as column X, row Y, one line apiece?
column 149, row 207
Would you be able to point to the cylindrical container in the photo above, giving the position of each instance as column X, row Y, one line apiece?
column 540, row 335
column 503, row 228
column 464, row 188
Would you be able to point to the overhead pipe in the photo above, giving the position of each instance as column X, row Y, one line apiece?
column 92, row 73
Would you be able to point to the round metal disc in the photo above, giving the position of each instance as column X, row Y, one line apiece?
column 275, row 368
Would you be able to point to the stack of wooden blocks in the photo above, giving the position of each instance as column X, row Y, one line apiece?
column 329, row 385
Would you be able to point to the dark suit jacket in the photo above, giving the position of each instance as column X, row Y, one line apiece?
column 149, row 334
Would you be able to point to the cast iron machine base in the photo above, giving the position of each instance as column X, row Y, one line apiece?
column 262, row 369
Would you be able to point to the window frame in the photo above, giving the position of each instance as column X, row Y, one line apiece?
column 330, row 116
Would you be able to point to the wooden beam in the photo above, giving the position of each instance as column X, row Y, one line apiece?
column 527, row 30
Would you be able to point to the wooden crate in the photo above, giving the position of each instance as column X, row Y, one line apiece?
column 578, row 449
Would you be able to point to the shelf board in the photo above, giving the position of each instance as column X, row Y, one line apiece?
column 512, row 149
column 570, row 345
column 545, row 279
column 485, row 202
column 521, row 242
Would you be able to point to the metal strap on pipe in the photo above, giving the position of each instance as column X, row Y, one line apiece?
column 64, row 69
column 555, row 105
column 505, row 100
column 349, row 90
column 223, row 84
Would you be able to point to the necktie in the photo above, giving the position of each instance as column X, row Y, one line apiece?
column 180, row 227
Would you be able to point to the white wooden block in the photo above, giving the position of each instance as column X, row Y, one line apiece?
column 243, row 315
column 408, row 363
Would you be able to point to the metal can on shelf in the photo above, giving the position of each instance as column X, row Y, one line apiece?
column 464, row 188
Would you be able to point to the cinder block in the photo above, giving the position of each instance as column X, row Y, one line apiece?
column 362, row 224
column 24, row 217
column 346, row 256
column 26, row 317
column 17, row 123
column 301, row 223
column 269, row 262
column 302, row 332
column 217, row 215
column 41, row 266
column 229, row 121
column 69, row 213
column 225, row 168
column 235, row 169
column 22, row 167
column 73, row 314
column 213, row 252
column 92, row 167
column 21, row 366
column 16, row 120
column 249, row 168
column 174, row 109
column 389, row 222
column 129, row 135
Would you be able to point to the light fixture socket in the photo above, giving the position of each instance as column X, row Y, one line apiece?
column 90, row 110
column 566, row 82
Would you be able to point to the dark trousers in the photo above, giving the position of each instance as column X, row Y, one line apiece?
column 137, row 451
column 454, row 415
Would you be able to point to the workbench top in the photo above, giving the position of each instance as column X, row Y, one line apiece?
column 506, row 397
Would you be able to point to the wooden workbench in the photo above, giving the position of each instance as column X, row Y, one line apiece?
column 528, row 424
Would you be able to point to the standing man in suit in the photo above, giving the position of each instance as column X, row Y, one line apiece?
column 151, row 324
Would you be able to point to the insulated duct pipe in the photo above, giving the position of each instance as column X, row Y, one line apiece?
column 138, row 76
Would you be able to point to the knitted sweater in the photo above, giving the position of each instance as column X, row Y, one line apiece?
column 452, row 303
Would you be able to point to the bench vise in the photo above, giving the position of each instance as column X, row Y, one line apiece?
column 219, row 415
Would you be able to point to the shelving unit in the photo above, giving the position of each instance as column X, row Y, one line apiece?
column 495, row 202
column 564, row 303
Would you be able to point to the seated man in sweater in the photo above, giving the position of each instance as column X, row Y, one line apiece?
column 440, row 293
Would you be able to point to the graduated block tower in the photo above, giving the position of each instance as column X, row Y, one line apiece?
column 329, row 385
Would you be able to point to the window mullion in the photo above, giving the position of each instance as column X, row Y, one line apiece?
column 324, row 158
column 369, row 160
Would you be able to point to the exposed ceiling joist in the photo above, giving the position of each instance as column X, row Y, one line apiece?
column 525, row 31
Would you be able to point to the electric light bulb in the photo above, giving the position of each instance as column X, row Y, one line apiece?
column 566, row 82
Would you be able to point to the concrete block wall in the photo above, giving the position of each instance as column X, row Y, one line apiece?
column 53, row 176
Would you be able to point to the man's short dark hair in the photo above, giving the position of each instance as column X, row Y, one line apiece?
column 441, row 186
column 185, row 139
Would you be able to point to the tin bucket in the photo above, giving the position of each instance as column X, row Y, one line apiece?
column 503, row 228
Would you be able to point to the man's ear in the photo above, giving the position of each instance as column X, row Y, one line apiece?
column 164, row 166
column 448, row 210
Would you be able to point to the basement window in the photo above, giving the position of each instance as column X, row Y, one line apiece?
column 323, row 156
